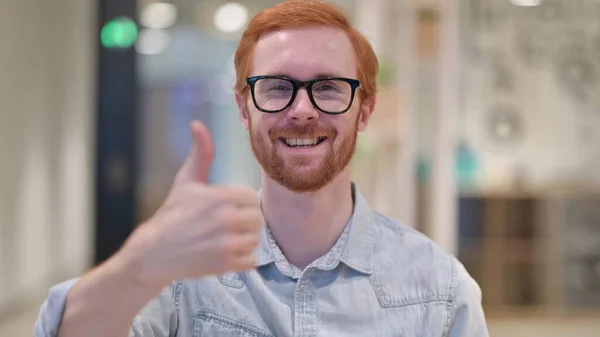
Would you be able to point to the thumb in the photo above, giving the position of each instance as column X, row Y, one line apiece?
column 197, row 166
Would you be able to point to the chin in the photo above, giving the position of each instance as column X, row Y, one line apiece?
column 304, row 179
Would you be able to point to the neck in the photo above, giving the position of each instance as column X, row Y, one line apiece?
column 307, row 225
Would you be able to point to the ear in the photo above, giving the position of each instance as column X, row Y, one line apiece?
column 243, row 106
column 366, row 110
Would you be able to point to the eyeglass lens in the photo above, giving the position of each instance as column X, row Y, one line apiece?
column 273, row 94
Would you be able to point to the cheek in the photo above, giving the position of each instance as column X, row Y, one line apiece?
column 260, row 124
column 348, row 127
column 253, row 118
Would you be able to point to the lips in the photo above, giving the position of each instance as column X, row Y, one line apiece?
column 302, row 142
column 302, row 136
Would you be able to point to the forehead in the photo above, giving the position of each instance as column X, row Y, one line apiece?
column 305, row 53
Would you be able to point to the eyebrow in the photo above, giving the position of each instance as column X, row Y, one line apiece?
column 324, row 75
column 318, row 76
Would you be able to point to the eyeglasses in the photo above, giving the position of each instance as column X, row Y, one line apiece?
column 332, row 95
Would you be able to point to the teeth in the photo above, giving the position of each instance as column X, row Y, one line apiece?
column 301, row 142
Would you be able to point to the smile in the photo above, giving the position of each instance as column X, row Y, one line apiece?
column 302, row 142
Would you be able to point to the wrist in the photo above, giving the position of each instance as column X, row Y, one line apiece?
column 131, row 262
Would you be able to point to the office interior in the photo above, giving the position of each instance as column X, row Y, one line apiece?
column 485, row 137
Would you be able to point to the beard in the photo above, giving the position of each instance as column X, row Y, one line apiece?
column 287, row 172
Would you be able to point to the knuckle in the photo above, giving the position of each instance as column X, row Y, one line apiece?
column 226, row 219
column 255, row 242
column 228, row 247
column 255, row 220
column 258, row 218
column 219, row 196
column 251, row 262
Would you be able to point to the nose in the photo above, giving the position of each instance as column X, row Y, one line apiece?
column 302, row 111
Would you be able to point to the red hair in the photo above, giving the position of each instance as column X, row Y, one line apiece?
column 302, row 13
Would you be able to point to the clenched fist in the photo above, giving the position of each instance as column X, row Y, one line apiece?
column 200, row 230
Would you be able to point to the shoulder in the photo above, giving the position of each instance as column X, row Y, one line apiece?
column 410, row 267
column 408, row 247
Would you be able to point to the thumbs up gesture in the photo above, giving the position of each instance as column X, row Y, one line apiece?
column 200, row 230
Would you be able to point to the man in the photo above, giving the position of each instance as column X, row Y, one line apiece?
column 325, row 264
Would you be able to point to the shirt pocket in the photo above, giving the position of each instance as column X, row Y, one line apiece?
column 209, row 324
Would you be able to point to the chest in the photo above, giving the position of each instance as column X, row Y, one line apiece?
column 252, row 306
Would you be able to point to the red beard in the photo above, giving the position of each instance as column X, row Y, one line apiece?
column 282, row 171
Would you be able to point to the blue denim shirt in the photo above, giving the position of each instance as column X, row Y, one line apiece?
column 380, row 279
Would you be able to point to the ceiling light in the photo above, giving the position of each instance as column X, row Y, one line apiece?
column 158, row 15
column 526, row 3
column 231, row 17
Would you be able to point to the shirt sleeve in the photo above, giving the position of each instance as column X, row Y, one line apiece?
column 52, row 310
column 159, row 318
column 467, row 316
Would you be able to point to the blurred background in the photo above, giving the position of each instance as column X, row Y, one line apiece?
column 486, row 137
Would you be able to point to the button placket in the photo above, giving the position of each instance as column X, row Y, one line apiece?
column 305, row 306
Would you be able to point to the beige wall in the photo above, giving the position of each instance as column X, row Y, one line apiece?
column 46, row 150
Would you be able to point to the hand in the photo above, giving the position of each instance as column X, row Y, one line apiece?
column 200, row 230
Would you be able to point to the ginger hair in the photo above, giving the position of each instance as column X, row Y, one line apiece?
column 305, row 13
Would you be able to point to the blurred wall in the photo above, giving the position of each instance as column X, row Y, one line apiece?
column 530, row 83
column 46, row 150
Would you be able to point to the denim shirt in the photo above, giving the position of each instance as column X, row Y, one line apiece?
column 380, row 279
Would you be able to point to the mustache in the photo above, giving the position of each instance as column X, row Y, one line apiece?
column 297, row 131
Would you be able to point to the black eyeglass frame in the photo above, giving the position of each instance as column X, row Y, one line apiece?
column 297, row 85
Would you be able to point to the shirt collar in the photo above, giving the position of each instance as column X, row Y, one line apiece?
column 354, row 247
column 361, row 237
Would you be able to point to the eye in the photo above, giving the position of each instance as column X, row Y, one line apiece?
column 326, row 86
column 273, row 85
column 280, row 87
